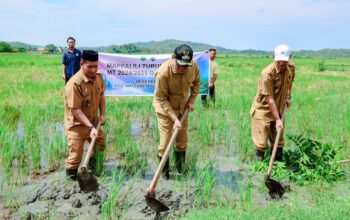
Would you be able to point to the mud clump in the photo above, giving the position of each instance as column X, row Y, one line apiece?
column 76, row 203
column 61, row 199
column 179, row 204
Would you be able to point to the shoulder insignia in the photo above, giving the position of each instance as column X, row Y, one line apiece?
column 79, row 80
column 291, row 64
column 269, row 70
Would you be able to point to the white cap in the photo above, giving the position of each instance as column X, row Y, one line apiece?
column 282, row 53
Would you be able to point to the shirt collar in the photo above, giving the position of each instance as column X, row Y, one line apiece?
column 173, row 67
column 70, row 51
column 86, row 79
column 277, row 71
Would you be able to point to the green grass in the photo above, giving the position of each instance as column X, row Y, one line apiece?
column 32, row 93
column 326, row 209
column 109, row 207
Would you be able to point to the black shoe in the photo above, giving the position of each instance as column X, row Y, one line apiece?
column 279, row 154
column 166, row 171
column 260, row 155
column 180, row 160
column 72, row 174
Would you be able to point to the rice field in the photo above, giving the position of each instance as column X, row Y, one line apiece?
column 222, row 182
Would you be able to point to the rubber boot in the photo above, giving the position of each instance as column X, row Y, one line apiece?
column 72, row 174
column 180, row 160
column 166, row 171
column 260, row 155
column 279, row 154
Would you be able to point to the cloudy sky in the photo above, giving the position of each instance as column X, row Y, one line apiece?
column 249, row 24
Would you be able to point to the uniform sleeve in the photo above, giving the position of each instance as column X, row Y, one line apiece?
column 216, row 69
column 293, row 73
column 73, row 97
column 195, row 85
column 64, row 60
column 103, row 84
column 161, row 95
column 265, row 84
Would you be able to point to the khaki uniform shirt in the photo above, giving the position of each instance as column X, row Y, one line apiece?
column 83, row 93
column 173, row 89
column 272, row 83
column 214, row 68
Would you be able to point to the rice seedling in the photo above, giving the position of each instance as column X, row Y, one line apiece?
column 205, row 183
column 32, row 104
column 109, row 207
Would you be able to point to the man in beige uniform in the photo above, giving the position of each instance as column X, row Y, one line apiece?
column 84, row 97
column 274, row 93
column 177, row 86
column 214, row 71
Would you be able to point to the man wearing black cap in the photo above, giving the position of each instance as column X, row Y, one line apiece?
column 177, row 86
column 84, row 98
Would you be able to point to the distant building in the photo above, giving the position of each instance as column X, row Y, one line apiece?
column 41, row 50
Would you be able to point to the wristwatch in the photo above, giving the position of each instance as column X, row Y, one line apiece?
column 91, row 127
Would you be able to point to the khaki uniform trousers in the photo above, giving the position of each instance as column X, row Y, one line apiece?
column 262, row 131
column 165, row 125
column 76, row 139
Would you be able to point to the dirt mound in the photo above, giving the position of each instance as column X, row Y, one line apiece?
column 61, row 199
column 57, row 198
column 178, row 201
column 52, row 196
column 178, row 204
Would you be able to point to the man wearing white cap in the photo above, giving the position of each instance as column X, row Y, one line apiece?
column 274, row 93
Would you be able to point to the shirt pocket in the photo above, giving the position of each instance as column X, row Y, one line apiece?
column 277, row 85
column 188, row 81
column 87, row 103
column 175, row 85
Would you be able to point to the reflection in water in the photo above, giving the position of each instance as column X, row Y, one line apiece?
column 136, row 128
column 20, row 130
column 228, row 179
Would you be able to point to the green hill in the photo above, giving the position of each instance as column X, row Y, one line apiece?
column 17, row 44
column 167, row 46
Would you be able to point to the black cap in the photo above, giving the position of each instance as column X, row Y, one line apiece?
column 183, row 55
column 89, row 55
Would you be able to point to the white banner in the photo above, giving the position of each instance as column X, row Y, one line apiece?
column 133, row 75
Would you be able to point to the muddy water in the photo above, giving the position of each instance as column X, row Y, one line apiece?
column 52, row 195
column 49, row 133
column 136, row 127
column 179, row 200
column 56, row 197
column 20, row 130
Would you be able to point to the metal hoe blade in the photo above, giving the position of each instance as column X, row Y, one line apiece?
column 87, row 181
column 276, row 190
column 155, row 204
